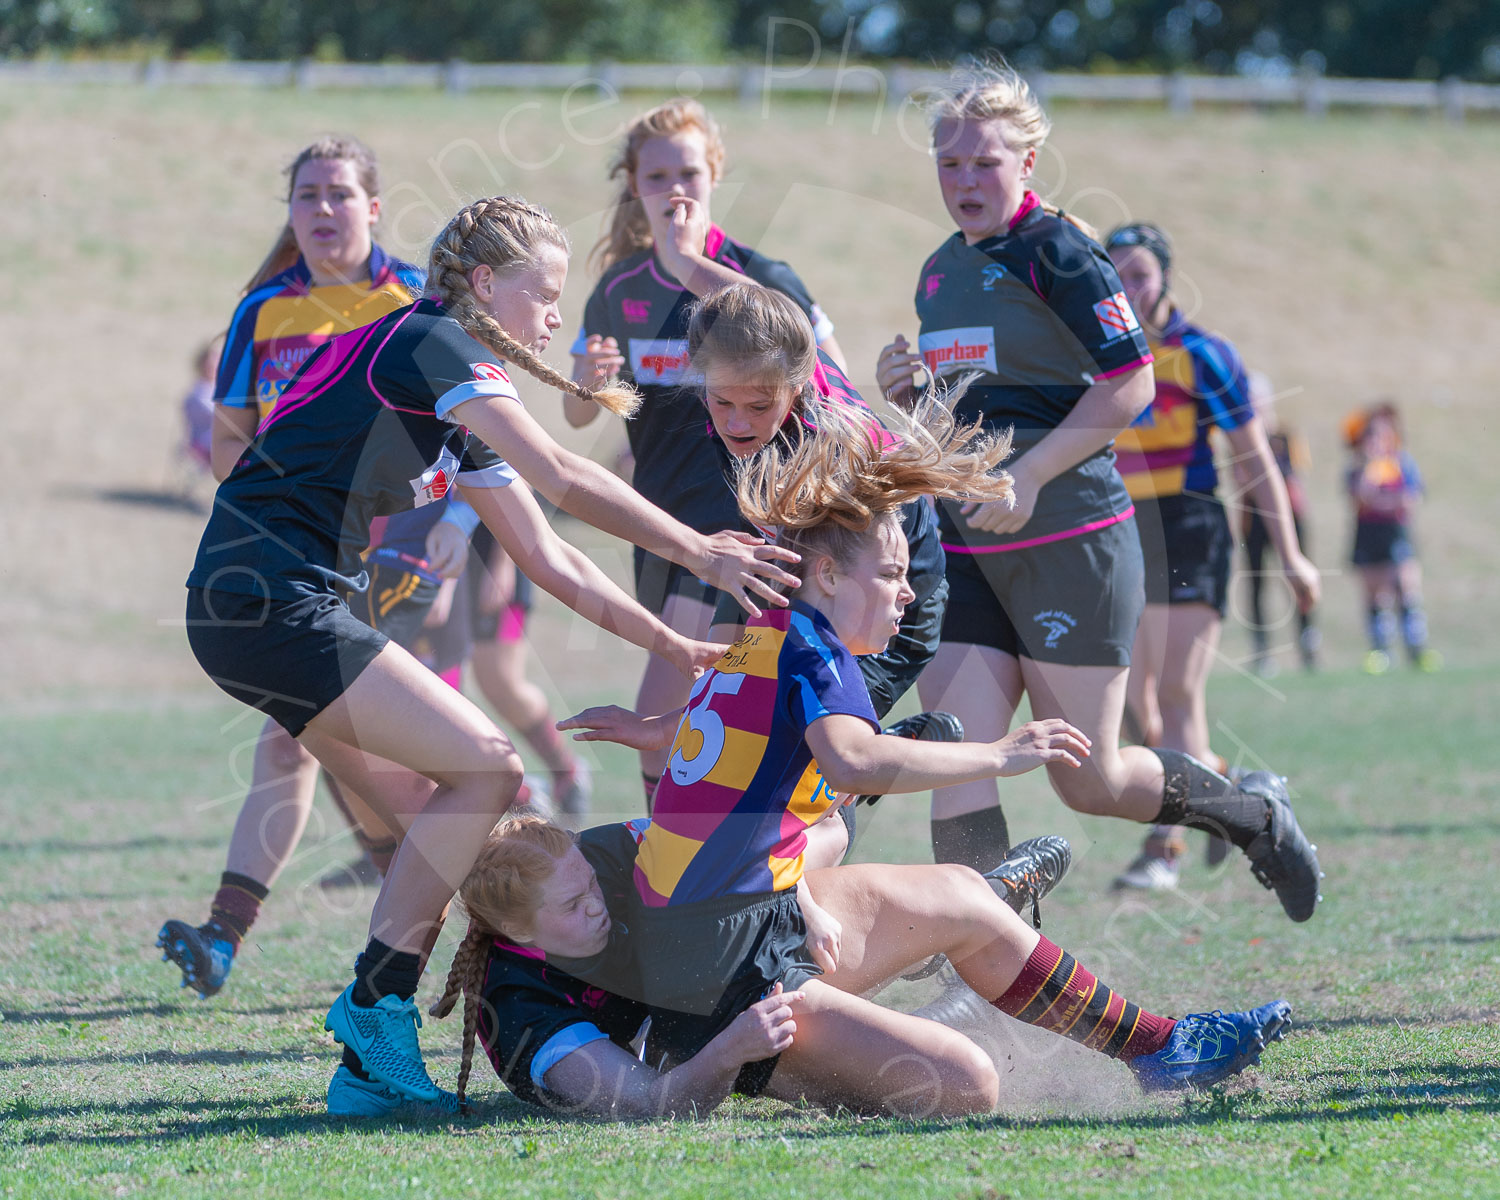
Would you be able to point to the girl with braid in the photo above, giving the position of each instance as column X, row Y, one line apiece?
column 381, row 420
column 1046, row 591
column 717, row 909
column 663, row 251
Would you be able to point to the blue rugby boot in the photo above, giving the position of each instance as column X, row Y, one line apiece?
column 203, row 959
column 351, row 1096
column 1208, row 1047
column 385, row 1038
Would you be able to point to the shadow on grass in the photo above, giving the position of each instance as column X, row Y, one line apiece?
column 59, row 1016
column 173, row 1058
column 1411, row 829
column 193, row 1120
column 152, row 498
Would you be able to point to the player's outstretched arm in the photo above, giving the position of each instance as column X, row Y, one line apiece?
column 514, row 517
column 604, row 1081
column 854, row 758
column 611, row 723
column 736, row 563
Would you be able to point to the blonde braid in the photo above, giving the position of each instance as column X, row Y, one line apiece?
column 502, row 232
column 466, row 978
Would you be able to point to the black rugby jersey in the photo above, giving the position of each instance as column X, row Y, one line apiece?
column 645, row 310
column 1039, row 312
column 363, row 430
column 535, row 1014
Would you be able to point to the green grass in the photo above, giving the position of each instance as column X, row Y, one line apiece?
column 115, row 1083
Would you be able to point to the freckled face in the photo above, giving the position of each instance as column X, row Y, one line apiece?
column 573, row 921
column 871, row 593
column 746, row 415
column 982, row 177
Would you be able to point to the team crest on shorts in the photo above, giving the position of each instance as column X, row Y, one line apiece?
column 1056, row 623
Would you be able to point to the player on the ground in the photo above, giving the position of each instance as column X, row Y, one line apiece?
column 654, row 263
column 715, row 905
column 378, row 421
column 1046, row 592
column 1167, row 462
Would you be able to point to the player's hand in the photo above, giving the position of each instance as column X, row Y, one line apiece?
column 824, row 934
column 447, row 549
column 693, row 657
column 611, row 723
column 1004, row 516
column 762, row 1031
column 600, row 361
column 742, row 564
column 686, row 236
column 1305, row 582
column 1042, row 743
column 896, row 372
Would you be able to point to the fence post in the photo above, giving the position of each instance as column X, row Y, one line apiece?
column 746, row 84
column 302, row 74
column 1179, row 94
column 1451, row 98
column 454, row 77
column 154, row 74
column 1314, row 94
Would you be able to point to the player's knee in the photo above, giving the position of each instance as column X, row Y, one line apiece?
column 973, row 1083
column 1086, row 793
column 283, row 754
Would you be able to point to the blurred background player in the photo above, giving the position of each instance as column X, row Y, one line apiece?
column 1289, row 448
column 653, row 266
column 1167, row 463
column 1384, row 486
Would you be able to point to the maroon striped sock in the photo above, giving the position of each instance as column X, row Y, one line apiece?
column 236, row 905
column 1056, row 993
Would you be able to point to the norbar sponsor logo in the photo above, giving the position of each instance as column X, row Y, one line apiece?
column 637, row 312
column 969, row 349
column 433, row 484
column 1056, row 623
column 1116, row 317
column 662, row 361
column 491, row 371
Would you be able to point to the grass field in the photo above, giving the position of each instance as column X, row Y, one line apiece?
column 1348, row 258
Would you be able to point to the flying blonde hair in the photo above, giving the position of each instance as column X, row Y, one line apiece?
column 849, row 475
column 504, row 232
column 502, row 889
column 996, row 91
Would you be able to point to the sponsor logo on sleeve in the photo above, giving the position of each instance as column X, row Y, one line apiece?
column 661, row 361
column 1116, row 317
column 433, row 484
column 971, row 348
column 637, row 312
column 992, row 275
column 490, row 371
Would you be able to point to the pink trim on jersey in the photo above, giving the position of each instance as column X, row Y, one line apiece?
column 523, row 951
column 512, row 624
column 453, row 677
column 1042, row 541
column 624, row 275
column 1035, row 286
column 1140, row 362
column 1028, row 202
column 292, row 400
column 370, row 370
column 714, row 242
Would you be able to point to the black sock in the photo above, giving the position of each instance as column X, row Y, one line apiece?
column 977, row 839
column 382, row 971
column 355, row 1064
column 1199, row 797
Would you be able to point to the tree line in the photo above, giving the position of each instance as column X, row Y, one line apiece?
column 1398, row 39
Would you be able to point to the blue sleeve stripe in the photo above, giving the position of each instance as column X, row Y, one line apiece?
column 232, row 385
column 812, row 706
column 1222, row 386
column 560, row 1045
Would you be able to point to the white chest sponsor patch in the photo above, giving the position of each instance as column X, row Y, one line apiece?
column 971, row 348
column 662, row 361
column 435, row 482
